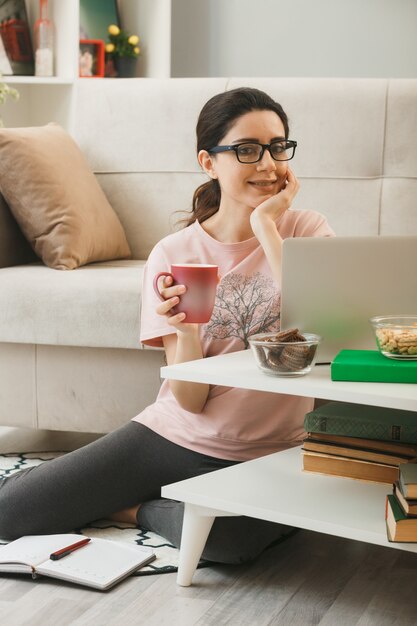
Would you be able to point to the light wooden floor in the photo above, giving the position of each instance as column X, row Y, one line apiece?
column 309, row 579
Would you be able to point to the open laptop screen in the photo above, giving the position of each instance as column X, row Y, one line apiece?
column 333, row 285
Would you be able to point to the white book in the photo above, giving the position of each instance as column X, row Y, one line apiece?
column 100, row 563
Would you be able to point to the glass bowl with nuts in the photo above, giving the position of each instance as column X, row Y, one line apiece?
column 287, row 353
column 396, row 335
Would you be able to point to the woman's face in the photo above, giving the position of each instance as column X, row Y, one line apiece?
column 243, row 184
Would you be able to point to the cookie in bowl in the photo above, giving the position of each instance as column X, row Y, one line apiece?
column 287, row 353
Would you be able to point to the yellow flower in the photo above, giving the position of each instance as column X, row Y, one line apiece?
column 113, row 29
column 136, row 50
column 133, row 40
column 110, row 47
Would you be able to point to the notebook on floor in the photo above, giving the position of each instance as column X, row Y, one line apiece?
column 99, row 564
column 333, row 285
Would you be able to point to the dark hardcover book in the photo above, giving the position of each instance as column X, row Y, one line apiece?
column 360, row 420
column 354, row 452
column 372, row 366
column 400, row 527
column 349, row 468
column 408, row 479
column 406, row 449
column 408, row 505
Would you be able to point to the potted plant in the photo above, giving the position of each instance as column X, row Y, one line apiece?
column 5, row 92
column 123, row 50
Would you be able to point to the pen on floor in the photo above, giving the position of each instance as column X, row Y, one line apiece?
column 59, row 554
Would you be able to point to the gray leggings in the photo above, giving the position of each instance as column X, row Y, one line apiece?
column 120, row 470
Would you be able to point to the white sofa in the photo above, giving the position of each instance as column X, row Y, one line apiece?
column 70, row 357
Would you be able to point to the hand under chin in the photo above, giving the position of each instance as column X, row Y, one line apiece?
column 282, row 184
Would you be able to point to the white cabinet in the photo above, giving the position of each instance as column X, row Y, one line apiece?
column 50, row 99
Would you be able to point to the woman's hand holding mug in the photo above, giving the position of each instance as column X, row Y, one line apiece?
column 188, row 293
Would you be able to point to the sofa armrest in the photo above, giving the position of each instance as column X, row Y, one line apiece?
column 14, row 249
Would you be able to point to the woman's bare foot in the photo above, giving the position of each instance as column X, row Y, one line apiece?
column 127, row 515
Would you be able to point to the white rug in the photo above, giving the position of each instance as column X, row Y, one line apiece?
column 166, row 554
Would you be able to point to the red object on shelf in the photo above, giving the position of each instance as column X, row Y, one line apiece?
column 91, row 58
column 18, row 40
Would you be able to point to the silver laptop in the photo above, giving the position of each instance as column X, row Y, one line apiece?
column 333, row 285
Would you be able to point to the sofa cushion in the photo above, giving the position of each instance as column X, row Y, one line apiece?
column 14, row 249
column 96, row 306
column 56, row 199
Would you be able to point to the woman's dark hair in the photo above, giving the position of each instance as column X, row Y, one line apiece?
column 215, row 120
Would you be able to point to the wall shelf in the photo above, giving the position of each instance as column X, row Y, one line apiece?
column 34, row 80
column 37, row 104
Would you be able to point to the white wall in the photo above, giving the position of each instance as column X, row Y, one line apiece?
column 342, row 38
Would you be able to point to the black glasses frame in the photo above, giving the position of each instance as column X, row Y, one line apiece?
column 265, row 146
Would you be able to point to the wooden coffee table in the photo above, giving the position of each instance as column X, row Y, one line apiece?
column 274, row 487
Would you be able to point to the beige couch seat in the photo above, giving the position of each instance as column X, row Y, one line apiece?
column 96, row 306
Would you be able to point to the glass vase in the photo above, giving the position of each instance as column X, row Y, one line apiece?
column 44, row 42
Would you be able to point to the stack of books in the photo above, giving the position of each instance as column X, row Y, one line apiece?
column 359, row 441
column 401, row 507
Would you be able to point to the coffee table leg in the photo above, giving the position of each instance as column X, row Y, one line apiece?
column 195, row 531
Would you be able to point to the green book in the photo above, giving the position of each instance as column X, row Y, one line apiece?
column 361, row 420
column 400, row 527
column 372, row 366
column 398, row 513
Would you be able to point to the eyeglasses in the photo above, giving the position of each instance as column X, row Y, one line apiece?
column 281, row 150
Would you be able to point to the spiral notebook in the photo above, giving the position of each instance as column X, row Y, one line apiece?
column 99, row 564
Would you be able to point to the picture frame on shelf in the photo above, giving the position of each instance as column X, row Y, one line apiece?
column 91, row 58
column 16, row 40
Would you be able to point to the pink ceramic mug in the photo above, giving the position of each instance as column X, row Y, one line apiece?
column 201, row 282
